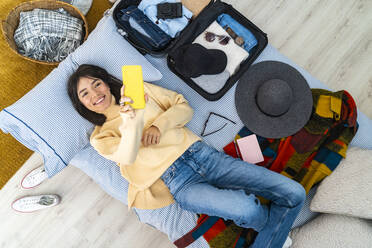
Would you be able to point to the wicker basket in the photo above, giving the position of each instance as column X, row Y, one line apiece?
column 11, row 23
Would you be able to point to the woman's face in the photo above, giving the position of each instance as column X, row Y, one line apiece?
column 94, row 94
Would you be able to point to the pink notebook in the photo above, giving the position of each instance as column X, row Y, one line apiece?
column 250, row 149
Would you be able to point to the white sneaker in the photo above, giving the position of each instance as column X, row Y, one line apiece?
column 28, row 204
column 288, row 242
column 34, row 178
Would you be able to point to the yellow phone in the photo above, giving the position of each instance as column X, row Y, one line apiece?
column 133, row 81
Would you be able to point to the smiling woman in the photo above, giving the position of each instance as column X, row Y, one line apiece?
column 164, row 161
column 94, row 94
column 91, row 89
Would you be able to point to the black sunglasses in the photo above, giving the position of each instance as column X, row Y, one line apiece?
column 222, row 39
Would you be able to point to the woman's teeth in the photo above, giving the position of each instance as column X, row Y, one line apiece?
column 99, row 100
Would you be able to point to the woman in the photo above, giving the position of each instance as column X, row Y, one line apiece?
column 164, row 161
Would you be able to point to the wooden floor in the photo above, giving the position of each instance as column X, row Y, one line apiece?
column 332, row 39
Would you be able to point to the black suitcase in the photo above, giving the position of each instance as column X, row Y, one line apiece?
column 196, row 26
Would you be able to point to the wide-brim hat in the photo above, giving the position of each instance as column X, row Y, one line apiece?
column 194, row 60
column 273, row 99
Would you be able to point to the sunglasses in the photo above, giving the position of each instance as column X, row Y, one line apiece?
column 204, row 133
column 222, row 39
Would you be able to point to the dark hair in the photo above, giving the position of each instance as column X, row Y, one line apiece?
column 91, row 71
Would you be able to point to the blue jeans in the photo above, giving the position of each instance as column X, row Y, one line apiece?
column 204, row 180
column 249, row 40
column 158, row 38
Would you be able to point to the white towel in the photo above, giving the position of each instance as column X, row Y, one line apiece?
column 235, row 54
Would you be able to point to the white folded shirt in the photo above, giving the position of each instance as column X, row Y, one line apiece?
column 235, row 54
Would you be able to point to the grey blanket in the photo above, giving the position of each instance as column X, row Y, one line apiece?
column 48, row 35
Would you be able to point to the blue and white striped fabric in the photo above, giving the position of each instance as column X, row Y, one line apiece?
column 306, row 214
column 45, row 121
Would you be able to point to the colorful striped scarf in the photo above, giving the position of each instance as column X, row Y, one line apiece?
column 308, row 157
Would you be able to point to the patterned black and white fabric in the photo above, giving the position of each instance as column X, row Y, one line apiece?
column 48, row 35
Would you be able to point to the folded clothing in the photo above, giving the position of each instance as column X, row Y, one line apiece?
column 227, row 21
column 137, row 27
column 212, row 83
column 171, row 26
column 153, row 35
column 48, row 35
column 235, row 54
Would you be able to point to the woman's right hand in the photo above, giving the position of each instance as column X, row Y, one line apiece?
column 124, row 106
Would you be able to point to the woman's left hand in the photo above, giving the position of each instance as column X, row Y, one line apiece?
column 151, row 136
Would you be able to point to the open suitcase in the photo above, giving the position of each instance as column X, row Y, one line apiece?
column 194, row 28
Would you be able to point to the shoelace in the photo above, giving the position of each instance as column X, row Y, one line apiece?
column 46, row 200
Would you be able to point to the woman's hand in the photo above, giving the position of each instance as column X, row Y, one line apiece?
column 151, row 136
column 124, row 106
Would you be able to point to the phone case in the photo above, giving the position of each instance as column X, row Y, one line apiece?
column 133, row 81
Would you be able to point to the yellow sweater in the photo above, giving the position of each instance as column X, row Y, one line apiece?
column 119, row 139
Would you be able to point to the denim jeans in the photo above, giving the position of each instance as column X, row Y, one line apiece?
column 159, row 38
column 204, row 180
column 249, row 40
